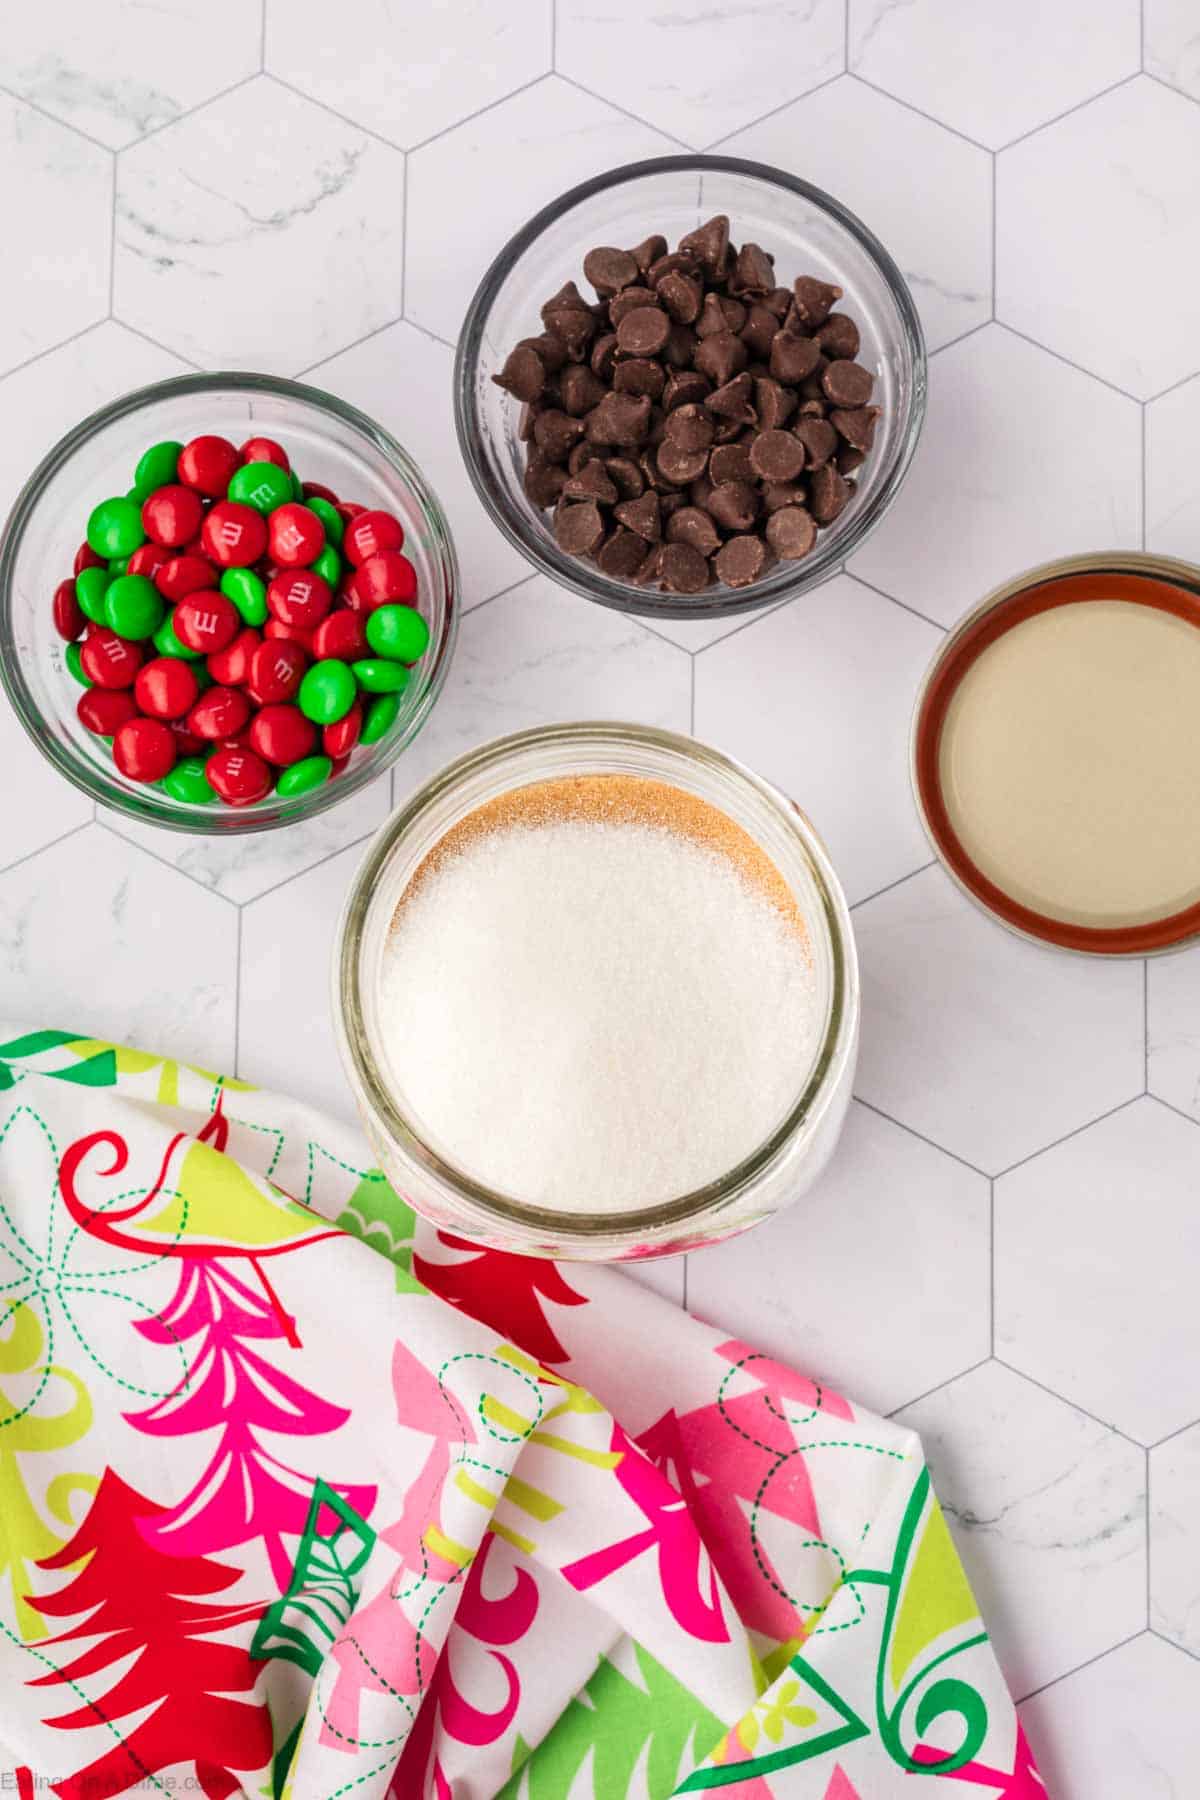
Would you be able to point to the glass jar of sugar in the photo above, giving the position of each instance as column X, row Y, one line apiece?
column 597, row 995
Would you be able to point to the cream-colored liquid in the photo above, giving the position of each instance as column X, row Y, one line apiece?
column 1070, row 763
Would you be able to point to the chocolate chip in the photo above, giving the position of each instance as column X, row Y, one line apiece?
column 777, row 494
column 681, row 346
column 848, row 459
column 709, row 244
column 626, row 477
column 733, row 504
column 773, row 403
column 778, row 301
column 730, row 430
column 847, row 384
column 730, row 462
column 550, row 347
column 740, row 561
column 567, row 299
column 814, row 299
column 776, row 456
column 759, row 331
column 753, row 272
column 692, row 525
column 641, row 516
column 681, row 295
column 668, row 265
column 619, row 419
column 658, row 426
column 556, row 434
column 603, row 356
column 580, row 390
column 579, row 529
column 640, row 375
column 819, row 440
column 629, row 300
column 582, row 454
column 690, row 427
column 669, row 504
column 838, row 336
column 643, row 332
column 858, row 426
column 523, row 375
column 678, row 465
column 701, row 492
column 734, row 401
column 792, row 358
column 827, row 494
column 791, row 532
column 610, row 270
column 592, row 483
column 810, row 387
column 685, row 387
column 811, row 409
column 648, row 574
column 735, row 314
column 712, row 317
column 543, row 481
column 648, row 464
column 576, row 328
column 682, row 570
column 622, row 556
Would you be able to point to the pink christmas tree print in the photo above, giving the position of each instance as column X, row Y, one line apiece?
column 244, row 1493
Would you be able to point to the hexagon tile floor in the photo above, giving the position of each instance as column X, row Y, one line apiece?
column 1006, row 1251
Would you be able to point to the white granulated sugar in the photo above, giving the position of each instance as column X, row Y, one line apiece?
column 594, row 1017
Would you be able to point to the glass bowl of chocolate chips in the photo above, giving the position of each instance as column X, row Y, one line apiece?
column 690, row 387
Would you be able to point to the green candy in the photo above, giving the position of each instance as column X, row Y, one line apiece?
column 118, row 565
column 378, row 676
column 91, row 585
column 329, row 516
column 187, row 781
column 247, row 591
column 301, row 776
column 133, row 607
column 167, row 644
column 398, row 632
column 297, row 486
column 158, row 466
column 115, row 527
column 328, row 565
column 327, row 692
column 204, row 676
column 261, row 485
column 74, row 662
column 379, row 718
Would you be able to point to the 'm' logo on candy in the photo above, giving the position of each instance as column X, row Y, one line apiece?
column 288, row 537
column 230, row 530
column 205, row 624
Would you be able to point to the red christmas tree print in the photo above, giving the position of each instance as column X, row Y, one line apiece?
column 138, row 1603
column 245, row 1492
column 503, row 1291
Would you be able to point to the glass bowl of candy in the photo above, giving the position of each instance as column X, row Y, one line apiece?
column 226, row 602
column 690, row 387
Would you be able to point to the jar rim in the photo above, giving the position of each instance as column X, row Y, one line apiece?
column 489, row 1205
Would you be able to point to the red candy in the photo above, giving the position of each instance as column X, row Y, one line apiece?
column 342, row 635
column 166, row 688
column 262, row 449
column 186, row 742
column 340, row 739
column 69, row 620
column 105, row 710
column 86, row 558
column 282, row 735
column 185, row 575
column 370, row 532
column 208, row 464
column 238, row 776
column 316, row 490
column 383, row 577
column 276, row 671
column 171, row 515
column 299, row 597
column 207, row 622
column 231, row 666
column 236, row 536
column 219, row 713
column 293, row 634
column 108, row 660
column 296, row 535
column 148, row 559
column 144, row 749
column 349, row 510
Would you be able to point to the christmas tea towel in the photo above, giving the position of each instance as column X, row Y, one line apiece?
column 302, row 1499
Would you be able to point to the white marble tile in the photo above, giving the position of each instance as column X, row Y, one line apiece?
column 1127, row 1728
column 1175, row 1539
column 119, row 71
column 991, row 1046
column 1172, row 455
column 1173, row 1018
column 51, row 395
column 98, row 938
column 260, row 232
column 863, row 147
column 469, row 191
column 995, row 68
column 1047, row 1509
column 816, row 1287
column 993, row 489
column 58, row 203
column 37, row 805
column 1124, row 171
column 426, row 67
column 404, row 379
column 817, row 697
column 540, row 656
column 700, row 72
column 1101, row 1229
column 1172, row 43
column 285, row 1026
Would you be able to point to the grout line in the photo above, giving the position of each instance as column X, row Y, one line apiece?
column 752, row 618
column 404, row 235
column 1058, row 356
column 1079, row 1668
column 298, row 93
column 468, row 118
column 237, row 999
column 1066, row 1137
column 625, row 113
column 298, row 874
column 375, row 331
column 930, row 119
column 1142, row 35
column 692, row 714
column 553, row 36
column 929, row 1393
column 995, row 217
column 903, row 604
column 1172, row 1435
column 899, row 882
column 1172, row 388
column 112, row 244
column 262, row 40
column 846, row 35
column 41, row 355
column 165, row 348
column 1149, row 1583
column 53, row 119
column 992, row 1261
column 1189, row 1118
column 1143, row 420
column 1169, row 87
column 1145, row 1025
column 60, row 839
column 1070, row 111
column 962, row 337
column 184, row 874
column 1173, row 1643
column 523, row 581
column 434, row 336
column 921, row 1137
column 189, row 112
column 1104, row 1424
column 774, row 112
